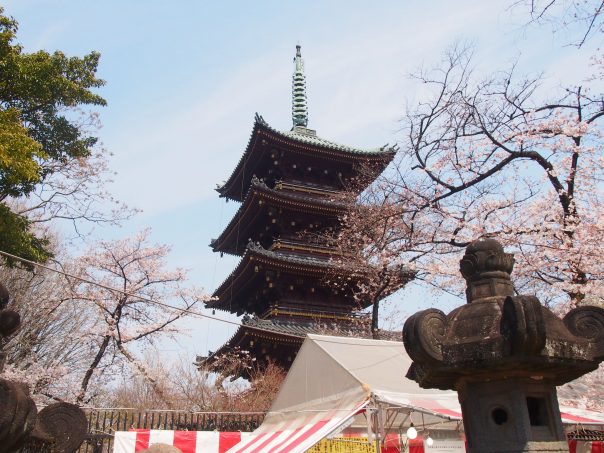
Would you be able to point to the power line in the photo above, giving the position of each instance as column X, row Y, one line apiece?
column 161, row 304
column 115, row 290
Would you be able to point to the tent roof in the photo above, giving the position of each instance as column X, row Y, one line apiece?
column 337, row 364
column 332, row 378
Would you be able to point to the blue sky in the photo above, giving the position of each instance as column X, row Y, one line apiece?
column 184, row 79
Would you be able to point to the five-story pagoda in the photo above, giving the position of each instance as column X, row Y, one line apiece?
column 289, row 183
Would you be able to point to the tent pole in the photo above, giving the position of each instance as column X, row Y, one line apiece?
column 369, row 419
column 380, row 427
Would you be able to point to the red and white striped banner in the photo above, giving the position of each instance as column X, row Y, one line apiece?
column 447, row 405
column 293, row 436
column 577, row 446
column 186, row 441
column 216, row 442
column 392, row 445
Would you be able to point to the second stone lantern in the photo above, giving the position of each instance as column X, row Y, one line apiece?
column 504, row 354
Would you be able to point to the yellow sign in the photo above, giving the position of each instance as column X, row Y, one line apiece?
column 343, row 445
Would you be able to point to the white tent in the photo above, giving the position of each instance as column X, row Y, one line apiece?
column 335, row 378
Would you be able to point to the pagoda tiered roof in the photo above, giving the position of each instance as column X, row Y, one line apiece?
column 301, row 141
column 293, row 187
column 232, row 295
column 255, row 333
column 233, row 289
column 259, row 198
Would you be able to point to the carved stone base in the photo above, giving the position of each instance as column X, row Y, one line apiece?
column 541, row 447
column 513, row 415
column 17, row 415
column 63, row 424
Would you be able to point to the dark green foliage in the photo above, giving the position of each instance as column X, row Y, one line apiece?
column 40, row 95
column 17, row 239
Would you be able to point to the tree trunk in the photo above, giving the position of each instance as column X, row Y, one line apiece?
column 97, row 359
column 375, row 331
column 384, row 278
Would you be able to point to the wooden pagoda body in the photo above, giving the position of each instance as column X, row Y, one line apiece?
column 290, row 186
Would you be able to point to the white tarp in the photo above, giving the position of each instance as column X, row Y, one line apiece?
column 332, row 378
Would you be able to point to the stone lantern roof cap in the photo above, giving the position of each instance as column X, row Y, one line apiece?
column 485, row 245
column 498, row 334
column 483, row 256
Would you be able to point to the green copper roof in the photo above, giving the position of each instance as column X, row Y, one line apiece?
column 299, row 106
column 308, row 136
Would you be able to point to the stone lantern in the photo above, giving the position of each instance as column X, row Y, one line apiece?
column 504, row 354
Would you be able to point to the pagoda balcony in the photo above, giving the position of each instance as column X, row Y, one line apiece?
column 264, row 277
column 315, row 247
column 333, row 195
column 278, row 340
column 313, row 315
column 263, row 272
column 266, row 213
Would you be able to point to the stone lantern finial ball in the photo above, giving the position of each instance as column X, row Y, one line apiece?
column 484, row 245
column 486, row 258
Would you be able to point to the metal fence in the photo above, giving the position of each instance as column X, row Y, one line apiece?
column 102, row 423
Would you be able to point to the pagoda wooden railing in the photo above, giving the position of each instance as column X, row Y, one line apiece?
column 313, row 314
column 282, row 185
column 307, row 247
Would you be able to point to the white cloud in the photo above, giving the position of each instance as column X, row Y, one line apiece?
column 175, row 154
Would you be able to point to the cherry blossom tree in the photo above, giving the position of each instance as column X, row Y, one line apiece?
column 76, row 336
column 584, row 392
column 508, row 156
column 184, row 386
column 127, row 321
column 585, row 15
column 46, row 352
column 369, row 243
column 74, row 191
column 495, row 156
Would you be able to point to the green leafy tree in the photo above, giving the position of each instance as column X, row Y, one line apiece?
column 40, row 132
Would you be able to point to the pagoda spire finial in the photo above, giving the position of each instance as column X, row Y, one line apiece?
column 299, row 107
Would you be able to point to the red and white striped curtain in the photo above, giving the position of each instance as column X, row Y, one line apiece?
column 392, row 445
column 186, row 441
column 221, row 442
column 578, row 446
column 417, row 446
